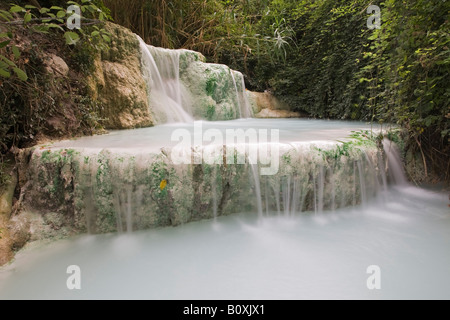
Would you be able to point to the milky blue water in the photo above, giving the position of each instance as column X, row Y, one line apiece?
column 405, row 232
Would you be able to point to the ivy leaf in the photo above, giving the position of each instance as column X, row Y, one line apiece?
column 16, row 9
column 5, row 73
column 71, row 37
column 5, row 15
column 16, row 52
column 27, row 17
column 90, row 8
column 61, row 14
column 4, row 43
column 53, row 25
column 40, row 29
column 9, row 62
column 21, row 74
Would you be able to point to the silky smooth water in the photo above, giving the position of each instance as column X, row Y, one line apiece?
column 162, row 73
column 172, row 98
column 285, row 254
column 289, row 172
column 155, row 138
column 405, row 232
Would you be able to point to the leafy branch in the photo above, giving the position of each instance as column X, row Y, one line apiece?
column 46, row 20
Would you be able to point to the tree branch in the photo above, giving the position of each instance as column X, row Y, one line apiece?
column 18, row 22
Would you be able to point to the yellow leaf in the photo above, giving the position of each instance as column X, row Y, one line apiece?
column 163, row 184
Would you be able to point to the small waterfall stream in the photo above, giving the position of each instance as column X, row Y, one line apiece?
column 330, row 185
column 245, row 110
column 394, row 163
column 177, row 99
column 162, row 73
column 310, row 229
column 403, row 230
column 114, row 182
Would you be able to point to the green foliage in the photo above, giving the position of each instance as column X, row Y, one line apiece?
column 211, row 86
column 317, row 74
column 398, row 137
column 211, row 112
column 33, row 101
column 221, row 30
column 330, row 65
column 59, row 158
column 407, row 74
column 316, row 55
column 359, row 139
column 7, row 66
column 46, row 20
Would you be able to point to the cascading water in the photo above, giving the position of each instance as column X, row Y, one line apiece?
column 113, row 181
column 281, row 255
column 317, row 187
column 394, row 163
column 127, row 181
column 257, row 183
column 245, row 109
column 179, row 91
column 248, row 111
column 168, row 101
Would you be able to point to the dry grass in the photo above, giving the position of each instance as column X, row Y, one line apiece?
column 200, row 25
column 170, row 24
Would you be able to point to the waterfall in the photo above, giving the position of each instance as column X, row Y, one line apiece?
column 215, row 202
column 357, row 182
column 244, row 107
column 257, row 181
column 394, row 162
column 248, row 111
column 239, row 101
column 161, row 68
column 182, row 87
column 115, row 182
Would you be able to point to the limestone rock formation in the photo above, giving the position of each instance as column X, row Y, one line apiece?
column 56, row 65
column 265, row 105
column 6, row 236
column 117, row 83
column 214, row 90
column 271, row 113
column 101, row 191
